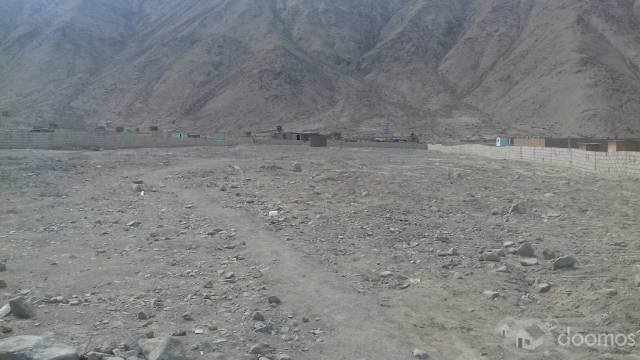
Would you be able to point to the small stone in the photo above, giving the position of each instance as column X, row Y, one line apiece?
column 283, row 357
column 257, row 316
column 21, row 308
column 179, row 333
column 544, row 288
column 263, row 327
column 134, row 224
column 508, row 244
column 5, row 329
column 143, row 316
column 526, row 250
column 386, row 274
column 274, row 300
column 259, row 349
column 229, row 275
column 138, row 187
column 490, row 294
column 187, row 316
column 273, row 213
column 490, row 256
column 495, row 212
column 609, row 292
column 564, row 262
column 297, row 167
column 3, row 266
column 450, row 252
column 3, row 284
column 208, row 285
column 420, row 354
column 528, row 261
column 502, row 269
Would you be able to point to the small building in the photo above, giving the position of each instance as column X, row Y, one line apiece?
column 592, row 146
column 317, row 140
column 175, row 134
column 502, row 141
column 623, row 145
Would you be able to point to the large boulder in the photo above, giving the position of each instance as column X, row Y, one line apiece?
column 169, row 348
column 28, row 347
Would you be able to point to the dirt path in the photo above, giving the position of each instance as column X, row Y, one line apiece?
column 360, row 326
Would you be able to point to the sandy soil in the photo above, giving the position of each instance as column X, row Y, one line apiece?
column 372, row 252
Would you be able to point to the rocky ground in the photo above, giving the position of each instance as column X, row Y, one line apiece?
column 280, row 252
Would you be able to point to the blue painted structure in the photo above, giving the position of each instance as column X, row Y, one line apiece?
column 502, row 141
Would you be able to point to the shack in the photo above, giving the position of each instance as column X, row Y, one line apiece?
column 623, row 145
column 502, row 141
column 593, row 146
column 318, row 140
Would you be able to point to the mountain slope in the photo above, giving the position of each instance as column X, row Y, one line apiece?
column 444, row 68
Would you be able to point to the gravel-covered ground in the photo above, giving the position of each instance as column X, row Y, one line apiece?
column 319, row 253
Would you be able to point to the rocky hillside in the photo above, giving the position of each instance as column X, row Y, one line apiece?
column 438, row 67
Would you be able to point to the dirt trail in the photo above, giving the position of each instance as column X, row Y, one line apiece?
column 361, row 328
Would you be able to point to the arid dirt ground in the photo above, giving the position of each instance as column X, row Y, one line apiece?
column 372, row 252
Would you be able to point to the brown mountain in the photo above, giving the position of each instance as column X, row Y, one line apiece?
column 437, row 67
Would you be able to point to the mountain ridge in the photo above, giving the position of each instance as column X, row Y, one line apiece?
column 440, row 68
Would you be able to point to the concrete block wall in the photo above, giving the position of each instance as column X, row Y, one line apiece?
column 618, row 164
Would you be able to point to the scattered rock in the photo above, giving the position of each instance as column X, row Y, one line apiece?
column 490, row 256
column 179, row 333
column 138, row 187
column 3, row 266
column 21, row 308
column 564, row 262
column 5, row 329
column 3, row 284
column 263, row 327
column 528, row 261
column 495, row 212
column 526, row 250
column 420, row 354
column 490, row 294
column 34, row 348
column 450, row 252
column 169, row 348
column 143, row 316
column 297, row 167
column 508, row 244
column 257, row 316
column 518, row 208
column 273, row 213
column 134, row 223
column 274, row 300
column 187, row 316
column 260, row 349
column 502, row 269
column 386, row 274
column 283, row 357
column 544, row 288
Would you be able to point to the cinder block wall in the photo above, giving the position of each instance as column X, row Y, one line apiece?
column 618, row 164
